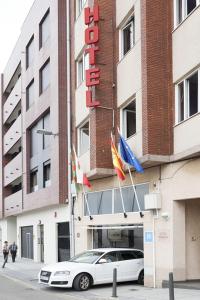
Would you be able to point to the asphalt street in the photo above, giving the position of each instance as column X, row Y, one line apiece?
column 18, row 290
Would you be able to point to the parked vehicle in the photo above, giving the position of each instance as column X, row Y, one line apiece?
column 95, row 267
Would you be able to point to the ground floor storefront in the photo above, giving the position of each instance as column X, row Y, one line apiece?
column 42, row 236
column 168, row 232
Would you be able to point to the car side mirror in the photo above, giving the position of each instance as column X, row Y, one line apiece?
column 102, row 261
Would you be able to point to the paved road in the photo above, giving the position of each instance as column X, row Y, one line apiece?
column 14, row 289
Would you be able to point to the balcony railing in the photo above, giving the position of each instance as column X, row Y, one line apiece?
column 13, row 169
column 13, row 204
column 12, row 135
column 12, row 100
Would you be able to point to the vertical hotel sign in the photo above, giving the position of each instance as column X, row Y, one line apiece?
column 91, row 41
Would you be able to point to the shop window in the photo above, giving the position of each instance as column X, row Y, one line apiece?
column 129, row 119
column 44, row 29
column 30, row 52
column 34, row 180
column 183, row 8
column 47, row 174
column 118, row 238
column 30, row 94
column 110, row 202
column 187, row 97
column 84, row 138
column 44, row 75
column 128, row 35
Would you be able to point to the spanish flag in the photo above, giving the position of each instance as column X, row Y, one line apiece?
column 117, row 162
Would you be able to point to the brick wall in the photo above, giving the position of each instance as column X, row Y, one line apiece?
column 157, row 88
column 62, row 84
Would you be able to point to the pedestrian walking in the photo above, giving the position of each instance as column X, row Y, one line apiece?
column 5, row 253
column 13, row 251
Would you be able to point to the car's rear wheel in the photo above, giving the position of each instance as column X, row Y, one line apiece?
column 82, row 282
column 141, row 278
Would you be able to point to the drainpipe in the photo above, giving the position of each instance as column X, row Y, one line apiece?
column 71, row 222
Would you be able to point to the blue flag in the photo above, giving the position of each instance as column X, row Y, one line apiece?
column 128, row 156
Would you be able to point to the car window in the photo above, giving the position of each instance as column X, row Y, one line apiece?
column 139, row 254
column 110, row 257
column 127, row 255
column 88, row 257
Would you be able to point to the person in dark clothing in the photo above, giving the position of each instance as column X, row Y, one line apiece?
column 13, row 251
column 5, row 253
column 5, row 250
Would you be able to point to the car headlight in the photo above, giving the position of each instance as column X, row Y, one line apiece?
column 58, row 273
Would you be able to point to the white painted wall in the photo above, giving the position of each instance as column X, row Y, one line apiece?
column 123, row 7
column 9, row 231
column 183, row 139
column 49, row 218
column 186, row 46
column 82, row 112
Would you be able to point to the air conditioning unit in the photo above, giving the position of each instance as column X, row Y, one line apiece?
column 152, row 201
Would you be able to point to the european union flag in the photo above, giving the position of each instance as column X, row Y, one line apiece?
column 128, row 156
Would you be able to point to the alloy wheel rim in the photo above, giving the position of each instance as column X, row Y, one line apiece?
column 84, row 282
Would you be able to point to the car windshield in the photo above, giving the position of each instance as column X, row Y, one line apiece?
column 88, row 257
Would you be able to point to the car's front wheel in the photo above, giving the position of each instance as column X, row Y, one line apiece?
column 82, row 282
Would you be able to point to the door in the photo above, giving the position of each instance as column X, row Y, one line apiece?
column 130, row 264
column 63, row 242
column 104, row 271
column 27, row 242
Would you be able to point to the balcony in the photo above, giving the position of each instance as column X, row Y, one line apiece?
column 12, row 135
column 12, row 101
column 13, row 169
column 189, row 146
column 13, row 204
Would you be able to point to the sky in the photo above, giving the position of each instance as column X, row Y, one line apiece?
column 12, row 16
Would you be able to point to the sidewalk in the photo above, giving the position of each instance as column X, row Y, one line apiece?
column 26, row 270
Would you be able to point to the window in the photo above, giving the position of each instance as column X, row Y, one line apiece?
column 110, row 202
column 46, row 126
column 30, row 52
column 129, row 119
column 82, row 66
column 126, row 255
column 45, row 76
column 34, row 180
column 80, row 4
column 34, row 141
column 44, row 29
column 128, row 35
column 47, row 173
column 187, row 97
column 80, row 72
column 110, row 257
column 183, row 8
column 84, row 138
column 30, row 94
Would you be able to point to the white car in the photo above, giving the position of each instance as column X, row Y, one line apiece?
column 95, row 267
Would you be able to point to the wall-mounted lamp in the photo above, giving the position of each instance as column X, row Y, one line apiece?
column 46, row 132
column 165, row 215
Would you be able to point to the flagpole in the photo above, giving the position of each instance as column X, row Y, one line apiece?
column 88, row 208
column 134, row 189
column 79, row 217
column 122, row 199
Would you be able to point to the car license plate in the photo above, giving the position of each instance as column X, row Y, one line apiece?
column 42, row 277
